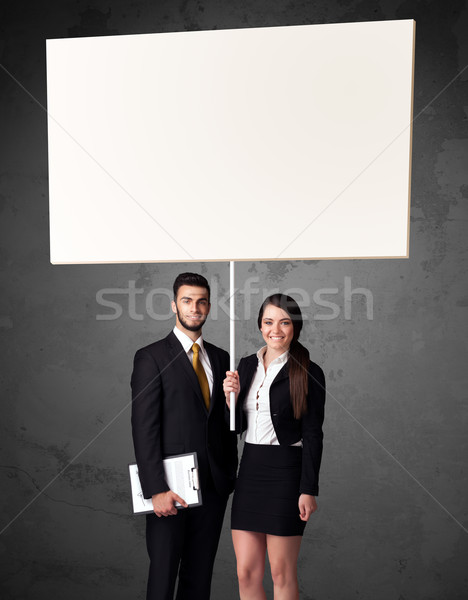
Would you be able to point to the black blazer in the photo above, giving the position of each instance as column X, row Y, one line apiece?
column 288, row 429
column 169, row 416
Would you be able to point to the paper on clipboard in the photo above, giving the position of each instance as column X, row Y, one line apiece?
column 181, row 476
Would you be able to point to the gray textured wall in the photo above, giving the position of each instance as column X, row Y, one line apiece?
column 393, row 516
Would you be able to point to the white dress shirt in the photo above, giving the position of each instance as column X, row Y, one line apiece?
column 260, row 428
column 203, row 356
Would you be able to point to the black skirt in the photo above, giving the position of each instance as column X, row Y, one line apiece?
column 267, row 490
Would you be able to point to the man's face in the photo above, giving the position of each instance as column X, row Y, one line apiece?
column 191, row 307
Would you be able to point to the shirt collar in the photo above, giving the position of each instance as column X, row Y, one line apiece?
column 280, row 360
column 186, row 341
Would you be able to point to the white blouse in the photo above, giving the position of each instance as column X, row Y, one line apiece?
column 260, row 428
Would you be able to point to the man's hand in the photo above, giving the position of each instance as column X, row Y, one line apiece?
column 307, row 505
column 164, row 503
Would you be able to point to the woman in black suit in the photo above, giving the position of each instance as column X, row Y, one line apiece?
column 280, row 396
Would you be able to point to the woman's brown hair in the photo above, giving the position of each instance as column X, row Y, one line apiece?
column 298, row 361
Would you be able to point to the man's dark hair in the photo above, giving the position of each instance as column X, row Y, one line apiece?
column 190, row 279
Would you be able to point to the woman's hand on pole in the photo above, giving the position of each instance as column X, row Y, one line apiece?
column 231, row 384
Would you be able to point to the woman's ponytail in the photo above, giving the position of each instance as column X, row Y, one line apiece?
column 298, row 377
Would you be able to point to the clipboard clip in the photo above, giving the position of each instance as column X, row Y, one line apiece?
column 195, row 479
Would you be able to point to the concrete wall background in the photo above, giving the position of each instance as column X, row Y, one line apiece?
column 393, row 516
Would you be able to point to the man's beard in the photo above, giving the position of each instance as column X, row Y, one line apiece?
column 189, row 326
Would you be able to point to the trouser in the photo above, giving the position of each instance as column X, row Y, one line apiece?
column 184, row 544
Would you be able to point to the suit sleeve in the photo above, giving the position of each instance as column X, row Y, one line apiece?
column 312, row 435
column 146, row 423
column 241, row 417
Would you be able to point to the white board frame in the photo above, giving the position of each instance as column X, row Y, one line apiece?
column 253, row 144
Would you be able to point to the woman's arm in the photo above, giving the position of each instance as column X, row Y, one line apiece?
column 231, row 383
column 243, row 376
column 312, row 435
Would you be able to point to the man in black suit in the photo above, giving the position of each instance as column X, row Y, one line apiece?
column 177, row 409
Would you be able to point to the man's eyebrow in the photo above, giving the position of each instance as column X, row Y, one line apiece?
column 191, row 298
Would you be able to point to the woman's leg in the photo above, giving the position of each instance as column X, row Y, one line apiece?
column 282, row 554
column 250, row 549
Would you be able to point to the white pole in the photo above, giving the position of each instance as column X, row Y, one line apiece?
column 232, row 341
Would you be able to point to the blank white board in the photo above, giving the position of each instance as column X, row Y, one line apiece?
column 264, row 143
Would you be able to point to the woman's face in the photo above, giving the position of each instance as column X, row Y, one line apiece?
column 277, row 329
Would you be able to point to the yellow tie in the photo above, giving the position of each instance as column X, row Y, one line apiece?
column 202, row 379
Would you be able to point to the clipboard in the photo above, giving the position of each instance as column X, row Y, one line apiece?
column 182, row 478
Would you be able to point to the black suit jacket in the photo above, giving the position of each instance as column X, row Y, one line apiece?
column 169, row 416
column 288, row 429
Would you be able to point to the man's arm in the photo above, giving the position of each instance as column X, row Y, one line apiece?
column 146, row 423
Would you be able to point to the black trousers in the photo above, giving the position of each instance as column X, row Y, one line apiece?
column 184, row 544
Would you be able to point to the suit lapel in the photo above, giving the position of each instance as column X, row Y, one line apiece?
column 283, row 373
column 179, row 356
column 250, row 371
column 251, row 368
column 247, row 371
column 216, row 370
